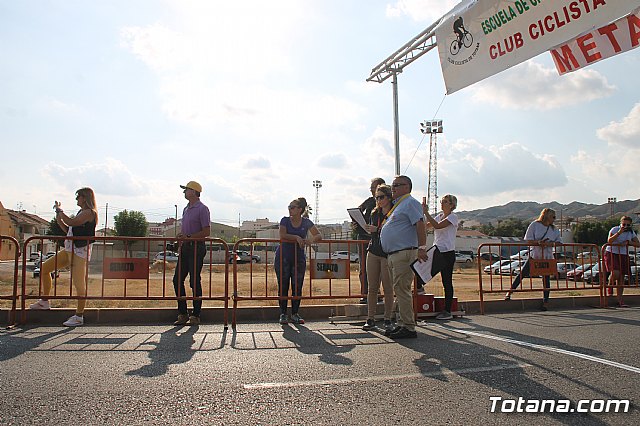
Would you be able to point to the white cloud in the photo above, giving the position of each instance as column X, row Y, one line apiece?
column 624, row 133
column 257, row 163
column 111, row 178
column 469, row 168
column 420, row 10
column 532, row 86
column 333, row 161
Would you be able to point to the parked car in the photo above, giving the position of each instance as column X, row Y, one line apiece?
column 35, row 255
column 576, row 274
column 491, row 257
column 587, row 255
column 564, row 268
column 169, row 256
column 592, row 275
column 39, row 261
column 467, row 252
column 463, row 258
column 513, row 268
column 343, row 254
column 634, row 277
column 245, row 256
column 495, row 267
column 521, row 255
column 36, row 273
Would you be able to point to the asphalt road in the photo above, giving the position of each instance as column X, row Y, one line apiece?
column 323, row 373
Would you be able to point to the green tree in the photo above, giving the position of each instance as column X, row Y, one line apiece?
column 594, row 232
column 505, row 228
column 130, row 224
column 55, row 230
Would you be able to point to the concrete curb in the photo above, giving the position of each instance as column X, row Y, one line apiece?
column 354, row 312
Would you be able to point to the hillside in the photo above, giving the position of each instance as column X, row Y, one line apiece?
column 529, row 210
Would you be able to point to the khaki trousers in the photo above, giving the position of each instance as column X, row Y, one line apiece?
column 402, row 278
column 378, row 270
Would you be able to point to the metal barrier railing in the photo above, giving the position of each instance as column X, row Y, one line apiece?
column 578, row 268
column 260, row 281
column 620, row 258
column 121, row 268
column 10, row 245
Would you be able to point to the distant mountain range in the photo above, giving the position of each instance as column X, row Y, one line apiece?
column 529, row 210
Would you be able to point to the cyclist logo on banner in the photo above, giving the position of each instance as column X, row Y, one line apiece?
column 465, row 39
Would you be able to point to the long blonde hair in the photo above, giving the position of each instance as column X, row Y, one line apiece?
column 545, row 215
column 89, row 199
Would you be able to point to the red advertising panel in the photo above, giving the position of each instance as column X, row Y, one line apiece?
column 125, row 267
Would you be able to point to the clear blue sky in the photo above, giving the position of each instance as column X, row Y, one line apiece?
column 257, row 99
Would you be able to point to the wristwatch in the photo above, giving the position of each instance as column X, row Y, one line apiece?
column 423, row 247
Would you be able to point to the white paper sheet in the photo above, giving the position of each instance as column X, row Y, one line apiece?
column 423, row 269
column 357, row 216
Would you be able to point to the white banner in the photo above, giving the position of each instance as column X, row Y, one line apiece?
column 485, row 37
column 607, row 41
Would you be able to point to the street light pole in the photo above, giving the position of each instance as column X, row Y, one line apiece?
column 175, row 224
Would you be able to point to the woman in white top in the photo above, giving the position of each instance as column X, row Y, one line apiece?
column 445, row 227
column 544, row 233
column 76, row 253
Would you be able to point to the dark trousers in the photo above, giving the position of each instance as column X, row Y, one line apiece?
column 524, row 272
column 189, row 263
column 443, row 263
column 290, row 274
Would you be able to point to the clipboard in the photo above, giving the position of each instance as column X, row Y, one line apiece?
column 423, row 269
column 356, row 216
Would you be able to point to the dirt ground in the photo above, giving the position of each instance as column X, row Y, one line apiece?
column 258, row 280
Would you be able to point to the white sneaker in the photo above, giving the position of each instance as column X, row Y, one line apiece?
column 74, row 321
column 40, row 305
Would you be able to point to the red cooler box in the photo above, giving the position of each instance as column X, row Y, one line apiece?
column 425, row 303
column 439, row 302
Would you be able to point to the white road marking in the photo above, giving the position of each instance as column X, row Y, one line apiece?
column 346, row 380
column 543, row 347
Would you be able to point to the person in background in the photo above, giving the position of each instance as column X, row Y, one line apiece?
column 290, row 260
column 377, row 268
column 616, row 255
column 196, row 225
column 366, row 208
column 445, row 226
column 403, row 237
column 76, row 253
column 544, row 234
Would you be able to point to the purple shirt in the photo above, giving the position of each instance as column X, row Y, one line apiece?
column 195, row 218
column 288, row 248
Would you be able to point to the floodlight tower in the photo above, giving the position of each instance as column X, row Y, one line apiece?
column 432, row 128
column 317, row 184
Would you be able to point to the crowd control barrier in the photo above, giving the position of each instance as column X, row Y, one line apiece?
column 623, row 259
column 130, row 268
column 10, row 247
column 573, row 267
column 326, row 266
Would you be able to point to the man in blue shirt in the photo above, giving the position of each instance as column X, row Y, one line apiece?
column 403, row 237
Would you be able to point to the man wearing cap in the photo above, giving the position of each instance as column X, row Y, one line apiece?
column 196, row 224
column 403, row 237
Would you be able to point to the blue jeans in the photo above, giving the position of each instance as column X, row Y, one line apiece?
column 189, row 263
column 546, row 279
column 291, row 275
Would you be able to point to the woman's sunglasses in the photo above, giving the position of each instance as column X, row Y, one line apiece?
column 380, row 197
